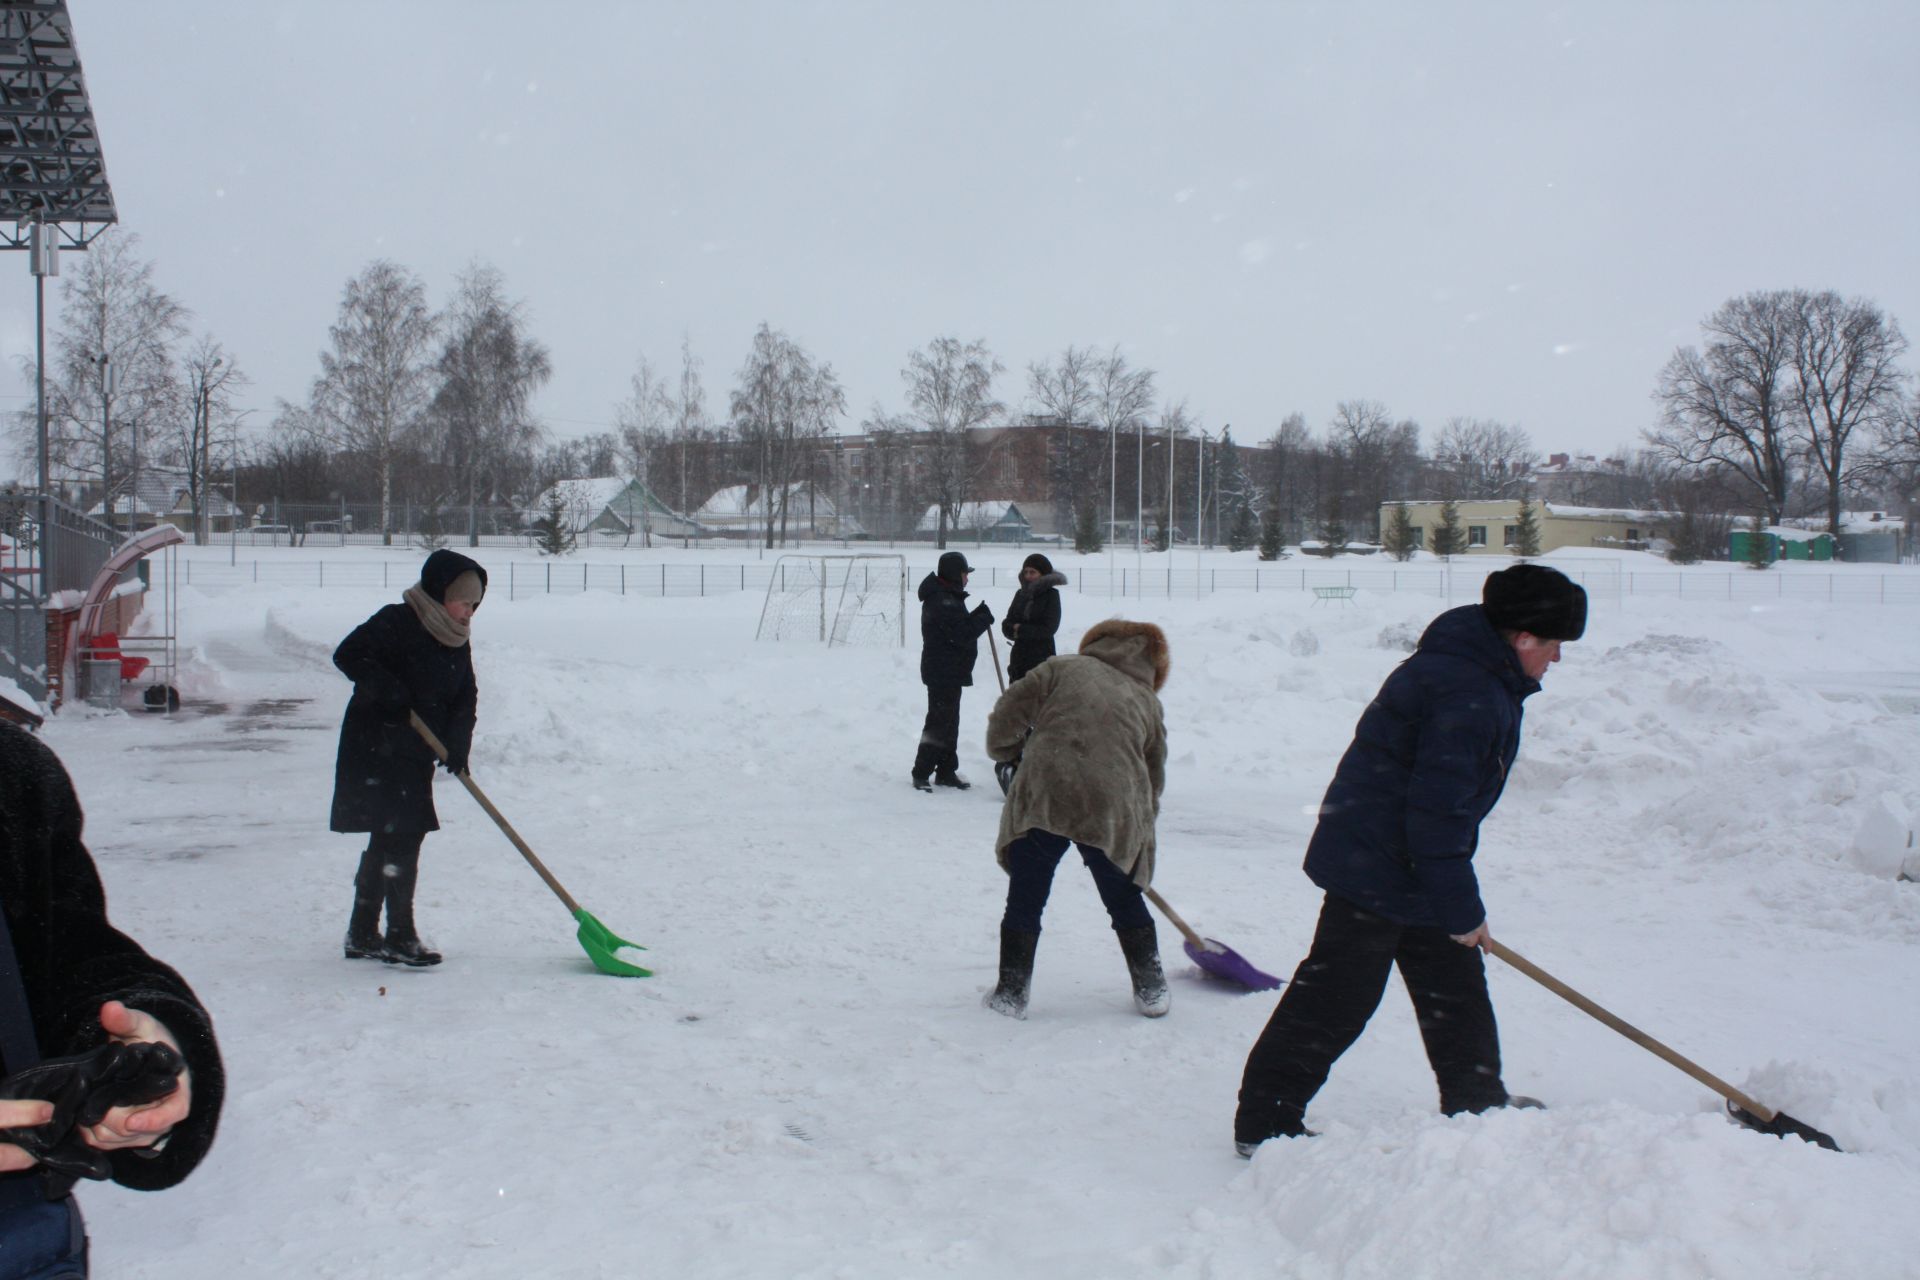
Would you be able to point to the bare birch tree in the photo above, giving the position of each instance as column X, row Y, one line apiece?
column 211, row 378
column 488, row 371
column 782, row 403
column 375, row 382
column 949, row 393
column 1122, row 398
column 1488, row 459
column 1062, row 391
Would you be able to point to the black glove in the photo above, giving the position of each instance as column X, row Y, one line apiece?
column 1010, row 629
column 456, row 761
column 981, row 611
column 82, row 1089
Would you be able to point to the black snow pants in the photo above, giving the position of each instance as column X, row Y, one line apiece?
column 1337, row 988
column 940, row 735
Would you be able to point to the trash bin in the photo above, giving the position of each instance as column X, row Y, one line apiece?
column 103, row 682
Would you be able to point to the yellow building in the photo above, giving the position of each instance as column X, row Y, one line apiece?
column 1492, row 528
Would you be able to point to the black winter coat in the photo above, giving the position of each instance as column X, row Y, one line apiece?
column 72, row 960
column 1401, row 819
column 1031, row 621
column 949, row 634
column 383, row 775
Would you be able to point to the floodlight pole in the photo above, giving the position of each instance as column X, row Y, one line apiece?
column 45, row 262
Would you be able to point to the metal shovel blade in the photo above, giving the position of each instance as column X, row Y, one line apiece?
column 1222, row 961
column 601, row 943
column 1781, row 1126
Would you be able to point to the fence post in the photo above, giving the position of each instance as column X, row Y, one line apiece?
column 322, row 566
column 549, row 577
column 623, row 579
column 703, row 580
column 663, row 579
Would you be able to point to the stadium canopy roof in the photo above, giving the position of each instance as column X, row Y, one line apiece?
column 51, row 168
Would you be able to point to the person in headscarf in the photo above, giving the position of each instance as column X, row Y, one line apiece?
column 409, row 658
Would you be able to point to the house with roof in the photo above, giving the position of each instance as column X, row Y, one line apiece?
column 1493, row 527
column 612, row 507
column 740, row 511
column 991, row 521
column 164, row 495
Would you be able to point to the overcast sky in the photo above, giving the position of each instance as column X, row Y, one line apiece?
column 1501, row 211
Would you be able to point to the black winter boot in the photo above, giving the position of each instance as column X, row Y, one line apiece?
column 363, row 941
column 1142, row 949
column 1016, row 973
column 403, row 940
column 407, row 949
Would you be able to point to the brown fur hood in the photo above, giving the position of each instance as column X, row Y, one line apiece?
column 1137, row 648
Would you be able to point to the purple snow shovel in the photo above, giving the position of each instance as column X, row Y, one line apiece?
column 1216, row 958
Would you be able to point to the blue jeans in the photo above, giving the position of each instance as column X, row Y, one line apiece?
column 1030, row 865
column 42, row 1240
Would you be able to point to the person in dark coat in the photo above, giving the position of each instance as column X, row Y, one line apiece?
column 411, row 657
column 949, row 643
column 71, row 983
column 1032, row 619
column 1393, row 850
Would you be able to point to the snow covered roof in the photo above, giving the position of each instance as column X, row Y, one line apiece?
column 745, row 500
column 972, row 515
column 159, row 491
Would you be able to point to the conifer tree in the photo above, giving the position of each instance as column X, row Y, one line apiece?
column 1271, row 545
column 1526, row 535
column 552, row 537
column 1759, row 545
column 1086, row 531
column 1449, row 539
column 1242, row 535
column 1397, row 539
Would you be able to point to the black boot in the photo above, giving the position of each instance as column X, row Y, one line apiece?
column 363, row 940
column 1003, row 773
column 1141, row 947
column 948, row 778
column 1016, row 973
column 407, row 949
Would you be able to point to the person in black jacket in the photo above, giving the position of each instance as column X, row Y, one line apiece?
column 408, row 658
column 1393, row 849
column 1032, row 619
column 949, row 644
column 71, row 983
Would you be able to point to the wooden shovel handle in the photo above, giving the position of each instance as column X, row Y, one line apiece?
column 473, row 788
column 1763, row 1112
column 1154, row 897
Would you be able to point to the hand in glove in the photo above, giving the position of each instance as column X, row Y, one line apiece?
column 82, row 1089
column 456, row 761
column 981, row 611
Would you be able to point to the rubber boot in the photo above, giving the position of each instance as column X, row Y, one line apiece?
column 1141, row 947
column 363, row 941
column 403, row 941
column 1016, row 973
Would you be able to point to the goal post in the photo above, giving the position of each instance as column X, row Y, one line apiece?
column 851, row 599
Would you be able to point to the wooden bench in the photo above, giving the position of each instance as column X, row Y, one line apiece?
column 1332, row 593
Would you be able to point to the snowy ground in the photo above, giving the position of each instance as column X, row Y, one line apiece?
column 809, row 1087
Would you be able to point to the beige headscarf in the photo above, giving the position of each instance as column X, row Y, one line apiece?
column 433, row 615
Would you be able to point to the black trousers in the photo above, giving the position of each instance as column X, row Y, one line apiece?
column 940, row 735
column 1031, row 861
column 1337, row 988
column 389, row 869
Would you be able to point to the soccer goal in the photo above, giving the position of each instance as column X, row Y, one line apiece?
column 856, row 599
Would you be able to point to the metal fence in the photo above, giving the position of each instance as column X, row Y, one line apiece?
column 569, row 576
column 49, row 547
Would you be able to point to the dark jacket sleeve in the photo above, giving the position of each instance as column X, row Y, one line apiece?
column 1456, row 761
column 361, row 658
column 73, row 960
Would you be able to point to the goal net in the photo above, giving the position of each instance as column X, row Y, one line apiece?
column 837, row 599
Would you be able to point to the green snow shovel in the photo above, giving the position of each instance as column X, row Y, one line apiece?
column 599, row 942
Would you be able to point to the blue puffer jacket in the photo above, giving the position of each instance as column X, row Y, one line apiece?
column 1402, row 816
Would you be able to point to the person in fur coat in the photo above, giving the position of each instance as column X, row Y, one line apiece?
column 1092, row 740
column 408, row 657
column 71, row 983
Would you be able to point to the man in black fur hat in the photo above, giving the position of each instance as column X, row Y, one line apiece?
column 949, row 644
column 1393, row 851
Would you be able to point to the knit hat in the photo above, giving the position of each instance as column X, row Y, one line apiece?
column 953, row 566
column 1535, row 599
column 443, row 568
column 1038, row 561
